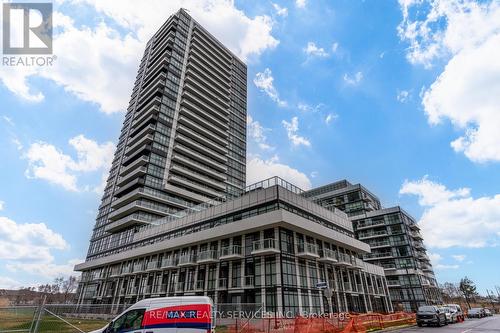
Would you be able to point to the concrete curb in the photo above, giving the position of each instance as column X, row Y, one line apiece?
column 393, row 329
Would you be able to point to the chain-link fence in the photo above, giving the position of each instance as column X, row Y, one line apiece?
column 56, row 318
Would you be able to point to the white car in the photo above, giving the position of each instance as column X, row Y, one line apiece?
column 450, row 314
column 188, row 314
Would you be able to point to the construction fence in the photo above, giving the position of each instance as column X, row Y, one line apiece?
column 328, row 323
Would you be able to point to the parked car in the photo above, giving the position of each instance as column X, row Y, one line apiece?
column 476, row 313
column 488, row 312
column 430, row 315
column 458, row 309
column 450, row 314
column 188, row 314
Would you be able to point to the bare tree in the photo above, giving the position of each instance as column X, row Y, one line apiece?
column 68, row 287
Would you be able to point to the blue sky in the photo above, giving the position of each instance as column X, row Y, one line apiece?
column 401, row 97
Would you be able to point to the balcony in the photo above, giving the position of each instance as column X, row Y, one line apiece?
column 200, row 167
column 376, row 245
column 416, row 235
column 307, row 251
column 381, row 255
column 202, row 178
column 207, row 257
column 139, row 144
column 393, row 283
column 328, row 256
column 265, row 247
column 125, row 222
column 152, row 266
column 368, row 225
column 347, row 286
column 138, row 268
column 115, row 272
column 187, row 260
column 195, row 186
column 344, row 259
column 367, row 235
column 132, row 166
column 231, row 252
column 389, row 267
column 168, row 263
column 127, row 270
column 359, row 263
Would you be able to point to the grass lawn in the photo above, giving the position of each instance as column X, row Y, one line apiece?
column 21, row 320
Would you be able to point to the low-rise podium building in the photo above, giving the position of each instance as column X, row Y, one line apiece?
column 270, row 246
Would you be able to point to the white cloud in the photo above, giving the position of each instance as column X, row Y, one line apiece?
column 257, row 133
column 459, row 257
column 28, row 248
column 47, row 162
column 454, row 218
column 330, row 117
column 354, row 79
column 403, row 96
column 264, row 81
column 291, row 129
column 280, row 11
column 28, row 241
column 86, row 67
column 259, row 169
column 2, row 205
column 436, row 262
column 47, row 270
column 314, row 51
column 310, row 108
column 9, row 283
column 467, row 92
column 300, row 3
column 431, row 193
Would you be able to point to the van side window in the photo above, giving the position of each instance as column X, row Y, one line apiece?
column 128, row 321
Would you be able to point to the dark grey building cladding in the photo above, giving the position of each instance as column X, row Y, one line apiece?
column 394, row 238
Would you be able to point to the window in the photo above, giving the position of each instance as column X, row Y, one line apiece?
column 128, row 321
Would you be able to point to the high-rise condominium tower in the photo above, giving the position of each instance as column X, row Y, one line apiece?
column 183, row 138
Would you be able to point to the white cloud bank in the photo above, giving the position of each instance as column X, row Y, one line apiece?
column 259, row 169
column 98, row 64
column 467, row 92
column 47, row 162
column 28, row 248
column 454, row 218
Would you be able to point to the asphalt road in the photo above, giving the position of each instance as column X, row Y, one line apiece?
column 483, row 325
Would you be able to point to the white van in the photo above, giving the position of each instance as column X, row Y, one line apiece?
column 187, row 314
